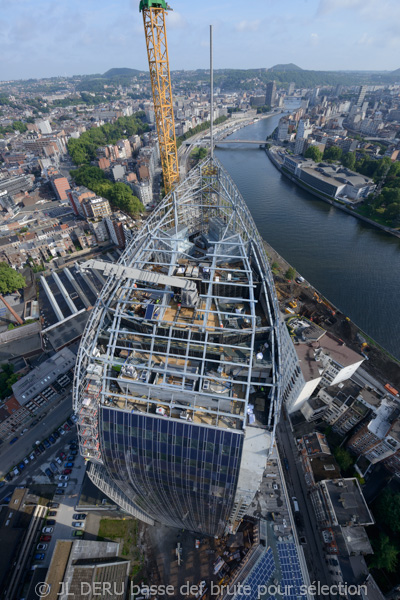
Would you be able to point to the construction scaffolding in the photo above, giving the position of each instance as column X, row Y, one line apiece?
column 186, row 330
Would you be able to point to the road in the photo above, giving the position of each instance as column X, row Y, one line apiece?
column 63, row 528
column 55, row 415
column 296, row 485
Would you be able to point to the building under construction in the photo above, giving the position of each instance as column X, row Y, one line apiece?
column 180, row 375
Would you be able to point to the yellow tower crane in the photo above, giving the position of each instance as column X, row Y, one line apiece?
column 157, row 51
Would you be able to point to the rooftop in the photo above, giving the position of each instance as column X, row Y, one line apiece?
column 42, row 376
column 347, row 502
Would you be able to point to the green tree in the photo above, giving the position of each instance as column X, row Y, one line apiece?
column 290, row 273
column 275, row 266
column 7, row 379
column 10, row 279
column 388, row 510
column 349, row 160
column 333, row 153
column 385, row 554
column 314, row 153
column 393, row 211
column 343, row 458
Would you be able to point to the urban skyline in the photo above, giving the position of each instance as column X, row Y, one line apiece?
column 304, row 33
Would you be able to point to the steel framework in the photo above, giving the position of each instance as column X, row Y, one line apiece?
column 151, row 364
column 157, row 52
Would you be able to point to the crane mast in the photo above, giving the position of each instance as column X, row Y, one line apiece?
column 157, row 51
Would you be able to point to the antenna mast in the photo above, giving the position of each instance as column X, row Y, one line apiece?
column 212, row 94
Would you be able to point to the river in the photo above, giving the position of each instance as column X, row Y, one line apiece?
column 356, row 266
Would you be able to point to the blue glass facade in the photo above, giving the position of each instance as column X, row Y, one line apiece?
column 180, row 473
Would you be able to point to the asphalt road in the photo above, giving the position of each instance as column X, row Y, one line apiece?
column 56, row 415
column 296, row 485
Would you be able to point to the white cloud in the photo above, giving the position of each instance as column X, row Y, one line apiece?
column 175, row 20
column 314, row 39
column 248, row 25
column 366, row 40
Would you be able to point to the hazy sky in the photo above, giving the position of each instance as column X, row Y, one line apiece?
column 43, row 38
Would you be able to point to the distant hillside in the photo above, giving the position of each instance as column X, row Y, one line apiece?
column 122, row 72
column 288, row 67
column 396, row 72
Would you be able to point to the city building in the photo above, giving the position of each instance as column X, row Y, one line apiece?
column 361, row 95
column 331, row 180
column 325, row 362
column 34, row 389
column 60, row 186
column 180, row 378
column 379, row 439
column 96, row 208
column 270, row 94
column 85, row 568
column 116, row 231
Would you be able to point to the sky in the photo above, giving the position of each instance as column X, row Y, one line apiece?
column 46, row 38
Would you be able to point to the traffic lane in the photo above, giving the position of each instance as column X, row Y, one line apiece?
column 56, row 415
column 297, row 485
column 36, row 468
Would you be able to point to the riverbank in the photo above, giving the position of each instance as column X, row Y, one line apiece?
column 325, row 198
column 379, row 363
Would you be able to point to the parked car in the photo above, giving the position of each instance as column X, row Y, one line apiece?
column 78, row 524
column 78, row 533
column 46, row 444
column 63, row 478
column 51, row 513
column 13, row 441
column 79, row 517
column 69, row 464
column 59, row 491
column 67, row 427
column 2, row 483
column 52, row 439
column 73, row 452
column 62, row 455
column 56, row 435
column 45, row 538
column 61, row 431
column 42, row 447
column 53, row 504
column 49, row 473
column 42, row 547
column 21, row 466
column 26, row 460
column 38, row 556
column 32, row 456
column 67, row 471
column 58, row 460
column 62, row 485
column 53, row 467
column 74, row 418
column 47, row 529
column 50, row 522
column 70, row 422
column 8, row 477
column 71, row 457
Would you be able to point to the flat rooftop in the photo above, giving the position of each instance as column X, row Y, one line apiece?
column 347, row 501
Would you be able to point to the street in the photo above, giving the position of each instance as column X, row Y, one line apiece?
column 55, row 415
column 296, row 485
